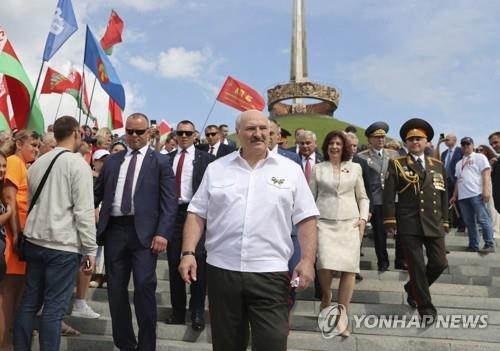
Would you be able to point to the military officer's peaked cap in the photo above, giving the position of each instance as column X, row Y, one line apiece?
column 377, row 129
column 416, row 127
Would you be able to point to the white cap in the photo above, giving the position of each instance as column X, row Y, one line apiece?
column 98, row 154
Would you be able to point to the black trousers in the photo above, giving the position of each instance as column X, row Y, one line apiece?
column 380, row 238
column 421, row 275
column 3, row 266
column 239, row 298
column 123, row 254
column 177, row 285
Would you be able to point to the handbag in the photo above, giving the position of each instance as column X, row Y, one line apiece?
column 21, row 239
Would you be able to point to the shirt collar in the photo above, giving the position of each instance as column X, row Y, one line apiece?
column 415, row 157
column 275, row 148
column 190, row 150
column 216, row 145
column 142, row 150
column 234, row 156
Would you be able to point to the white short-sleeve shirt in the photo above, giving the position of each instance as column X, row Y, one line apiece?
column 249, row 212
column 469, row 173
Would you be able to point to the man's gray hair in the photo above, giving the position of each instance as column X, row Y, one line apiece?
column 245, row 113
column 352, row 136
column 307, row 134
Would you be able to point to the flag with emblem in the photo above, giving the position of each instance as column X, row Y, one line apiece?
column 98, row 62
column 240, row 96
column 19, row 87
column 56, row 82
column 4, row 106
column 113, row 34
column 62, row 27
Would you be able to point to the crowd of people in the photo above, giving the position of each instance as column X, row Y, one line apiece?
column 248, row 226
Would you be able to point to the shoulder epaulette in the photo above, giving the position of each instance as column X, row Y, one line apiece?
column 435, row 159
column 399, row 158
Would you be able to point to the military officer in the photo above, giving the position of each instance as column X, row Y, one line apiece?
column 378, row 158
column 420, row 215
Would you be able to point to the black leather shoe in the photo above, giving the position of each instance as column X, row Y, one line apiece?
column 401, row 265
column 173, row 319
column 197, row 321
column 427, row 317
column 409, row 299
column 383, row 267
column 359, row 277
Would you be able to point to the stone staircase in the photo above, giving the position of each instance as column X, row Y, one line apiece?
column 470, row 286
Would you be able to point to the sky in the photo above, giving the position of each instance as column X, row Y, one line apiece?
column 391, row 60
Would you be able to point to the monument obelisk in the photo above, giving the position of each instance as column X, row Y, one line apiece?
column 299, row 86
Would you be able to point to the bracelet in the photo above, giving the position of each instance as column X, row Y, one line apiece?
column 187, row 253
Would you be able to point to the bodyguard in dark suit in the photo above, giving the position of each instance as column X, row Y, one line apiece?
column 494, row 140
column 214, row 145
column 450, row 157
column 189, row 166
column 420, row 217
column 378, row 158
column 137, row 190
column 224, row 132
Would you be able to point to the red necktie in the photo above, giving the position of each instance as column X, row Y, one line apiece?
column 178, row 173
column 307, row 170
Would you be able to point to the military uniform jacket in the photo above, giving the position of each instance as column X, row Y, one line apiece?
column 377, row 171
column 416, row 203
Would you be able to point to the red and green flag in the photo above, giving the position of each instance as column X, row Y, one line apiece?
column 56, row 82
column 4, row 106
column 113, row 34
column 115, row 115
column 19, row 87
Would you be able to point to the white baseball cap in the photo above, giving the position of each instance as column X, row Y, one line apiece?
column 98, row 154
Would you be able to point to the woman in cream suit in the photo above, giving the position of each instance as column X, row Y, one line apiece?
column 338, row 188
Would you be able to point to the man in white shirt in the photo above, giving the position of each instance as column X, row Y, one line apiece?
column 472, row 190
column 249, row 201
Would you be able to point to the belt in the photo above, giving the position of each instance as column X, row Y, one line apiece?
column 122, row 219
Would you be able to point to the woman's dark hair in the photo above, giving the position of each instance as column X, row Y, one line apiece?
column 487, row 152
column 346, row 155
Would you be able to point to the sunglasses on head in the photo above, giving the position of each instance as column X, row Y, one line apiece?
column 184, row 133
column 210, row 134
column 136, row 131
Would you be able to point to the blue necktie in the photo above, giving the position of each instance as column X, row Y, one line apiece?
column 126, row 206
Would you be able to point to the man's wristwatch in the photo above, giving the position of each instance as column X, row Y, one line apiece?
column 187, row 253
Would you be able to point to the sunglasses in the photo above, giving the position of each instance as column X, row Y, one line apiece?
column 209, row 135
column 184, row 133
column 136, row 131
column 465, row 144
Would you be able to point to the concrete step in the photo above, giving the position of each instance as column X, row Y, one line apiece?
column 308, row 309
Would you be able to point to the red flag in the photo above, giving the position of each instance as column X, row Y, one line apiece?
column 55, row 82
column 115, row 118
column 164, row 128
column 113, row 33
column 4, row 107
column 240, row 96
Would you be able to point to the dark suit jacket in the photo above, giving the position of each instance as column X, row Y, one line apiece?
column 222, row 151
column 422, row 207
column 231, row 144
column 455, row 158
column 495, row 180
column 200, row 163
column 366, row 176
column 155, row 200
column 319, row 157
column 291, row 155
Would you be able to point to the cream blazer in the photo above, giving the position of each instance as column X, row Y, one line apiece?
column 348, row 200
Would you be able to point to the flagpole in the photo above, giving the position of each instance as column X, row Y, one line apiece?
column 90, row 102
column 36, row 87
column 208, row 116
column 83, row 79
column 58, row 106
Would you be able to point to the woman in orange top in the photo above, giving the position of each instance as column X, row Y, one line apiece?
column 23, row 149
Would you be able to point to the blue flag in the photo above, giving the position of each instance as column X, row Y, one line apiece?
column 62, row 27
column 98, row 62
